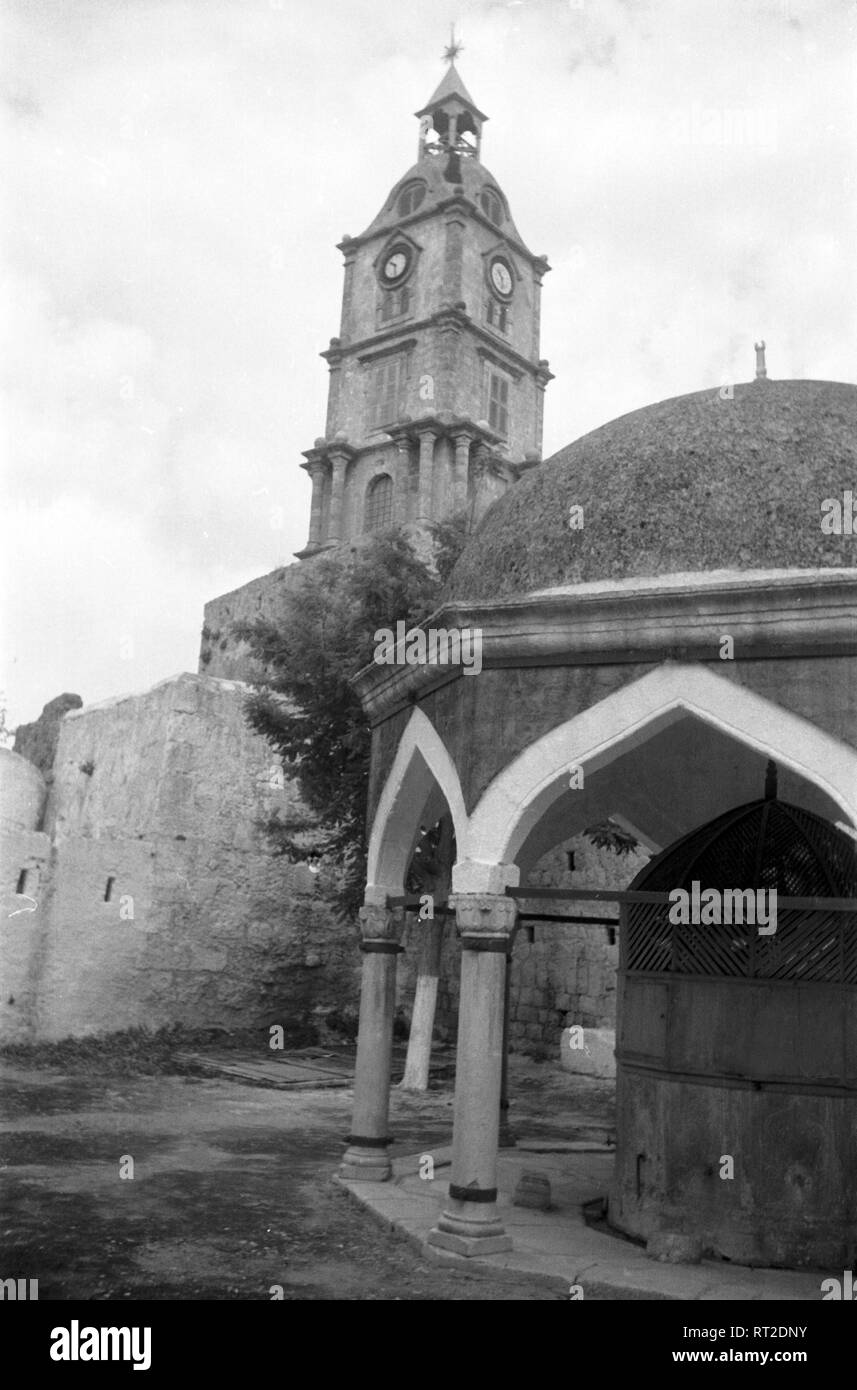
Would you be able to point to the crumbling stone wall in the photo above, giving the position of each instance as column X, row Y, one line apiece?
column 37, row 742
column 220, row 653
column 166, row 904
column 24, row 865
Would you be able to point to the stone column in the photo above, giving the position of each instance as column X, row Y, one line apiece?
column 339, row 462
column 316, row 472
column 462, row 471
column 470, row 1224
column 427, row 440
column 403, row 481
column 506, row 1138
column 453, row 260
column 366, row 1157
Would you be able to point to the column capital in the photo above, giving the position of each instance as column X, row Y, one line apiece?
column 488, row 919
column 323, row 450
column 380, row 926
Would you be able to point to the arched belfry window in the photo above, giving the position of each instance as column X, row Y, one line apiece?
column 410, row 197
column 379, row 503
column 491, row 205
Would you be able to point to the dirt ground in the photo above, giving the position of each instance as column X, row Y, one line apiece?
column 232, row 1190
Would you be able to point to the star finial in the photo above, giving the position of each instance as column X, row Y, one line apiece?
column 453, row 48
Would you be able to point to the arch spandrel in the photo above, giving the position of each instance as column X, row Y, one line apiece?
column 521, row 795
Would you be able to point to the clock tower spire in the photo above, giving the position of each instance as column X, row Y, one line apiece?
column 436, row 384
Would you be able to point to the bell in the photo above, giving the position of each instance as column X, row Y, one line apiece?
column 452, row 172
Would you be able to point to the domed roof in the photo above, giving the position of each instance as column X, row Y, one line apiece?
column 472, row 177
column 764, row 844
column 699, row 482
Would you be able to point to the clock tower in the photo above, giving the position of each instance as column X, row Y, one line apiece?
column 436, row 384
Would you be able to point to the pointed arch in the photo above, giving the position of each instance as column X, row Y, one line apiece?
column 422, row 765
column 519, row 795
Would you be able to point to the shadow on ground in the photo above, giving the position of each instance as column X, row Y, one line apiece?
column 232, row 1194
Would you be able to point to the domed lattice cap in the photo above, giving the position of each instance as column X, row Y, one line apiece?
column 764, row 844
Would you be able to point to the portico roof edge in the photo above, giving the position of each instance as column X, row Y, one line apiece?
column 770, row 616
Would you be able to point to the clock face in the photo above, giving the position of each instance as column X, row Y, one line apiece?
column 501, row 278
column 395, row 265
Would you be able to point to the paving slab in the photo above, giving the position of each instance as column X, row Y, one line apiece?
column 557, row 1246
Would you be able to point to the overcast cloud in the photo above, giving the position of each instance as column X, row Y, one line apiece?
column 179, row 171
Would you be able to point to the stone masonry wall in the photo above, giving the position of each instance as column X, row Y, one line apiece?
column 220, row 654
column 167, row 905
column 37, row 742
column 24, row 863
column 24, row 871
column 566, row 975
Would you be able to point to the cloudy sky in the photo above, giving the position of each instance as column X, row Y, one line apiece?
column 179, row 171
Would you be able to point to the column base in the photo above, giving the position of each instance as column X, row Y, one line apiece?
column 473, row 1232
column 365, row 1165
column 469, row 1245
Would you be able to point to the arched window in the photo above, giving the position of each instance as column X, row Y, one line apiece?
column 491, row 205
column 497, row 314
column 410, row 198
column 395, row 304
column 379, row 503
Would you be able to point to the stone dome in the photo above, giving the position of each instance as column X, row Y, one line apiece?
column 699, row 482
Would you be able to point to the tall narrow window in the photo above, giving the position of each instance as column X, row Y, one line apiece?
column 410, row 198
column 378, row 513
column 491, row 205
column 108, row 890
column 497, row 314
column 395, row 304
column 388, row 378
column 498, row 403
column 21, row 889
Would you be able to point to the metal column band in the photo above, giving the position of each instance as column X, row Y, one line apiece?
column 382, row 948
column 472, row 1194
column 360, row 1141
column 485, row 943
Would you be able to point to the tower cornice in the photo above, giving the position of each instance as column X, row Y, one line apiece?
column 452, row 315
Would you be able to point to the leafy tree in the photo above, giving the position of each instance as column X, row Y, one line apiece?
column 307, row 707
column 608, row 834
column 310, row 713
column 450, row 538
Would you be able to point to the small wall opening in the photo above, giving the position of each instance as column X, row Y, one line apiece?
column 108, row 890
column 23, row 880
